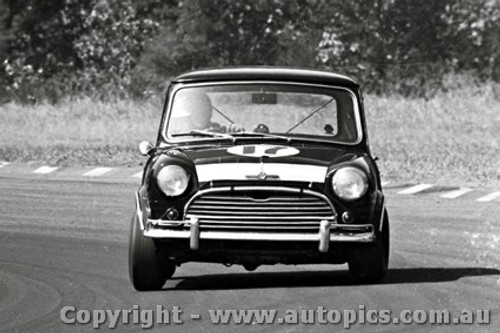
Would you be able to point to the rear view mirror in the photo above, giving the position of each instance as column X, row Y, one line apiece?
column 264, row 98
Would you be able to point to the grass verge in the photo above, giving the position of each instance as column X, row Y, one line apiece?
column 452, row 138
column 82, row 132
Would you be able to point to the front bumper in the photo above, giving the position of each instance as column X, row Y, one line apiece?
column 329, row 231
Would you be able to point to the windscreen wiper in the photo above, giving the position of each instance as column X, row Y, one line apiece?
column 204, row 133
column 259, row 134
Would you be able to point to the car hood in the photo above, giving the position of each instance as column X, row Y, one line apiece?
column 267, row 162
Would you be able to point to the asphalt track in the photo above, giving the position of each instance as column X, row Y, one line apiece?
column 64, row 243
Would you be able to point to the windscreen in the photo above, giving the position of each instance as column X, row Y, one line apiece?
column 285, row 110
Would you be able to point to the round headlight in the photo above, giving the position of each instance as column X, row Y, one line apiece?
column 349, row 183
column 173, row 180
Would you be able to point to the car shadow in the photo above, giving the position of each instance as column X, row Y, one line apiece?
column 256, row 280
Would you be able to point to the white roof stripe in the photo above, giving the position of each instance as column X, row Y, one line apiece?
column 456, row 193
column 489, row 197
column 245, row 171
column 97, row 172
column 416, row 189
column 45, row 169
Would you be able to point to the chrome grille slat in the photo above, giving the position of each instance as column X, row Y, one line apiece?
column 256, row 203
column 259, row 212
column 265, row 218
column 260, row 208
column 248, row 198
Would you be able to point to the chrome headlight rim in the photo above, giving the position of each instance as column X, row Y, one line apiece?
column 173, row 180
column 357, row 172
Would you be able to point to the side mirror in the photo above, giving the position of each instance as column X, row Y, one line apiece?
column 145, row 148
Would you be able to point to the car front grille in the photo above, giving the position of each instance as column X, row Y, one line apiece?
column 260, row 209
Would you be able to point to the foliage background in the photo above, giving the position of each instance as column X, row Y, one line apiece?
column 109, row 49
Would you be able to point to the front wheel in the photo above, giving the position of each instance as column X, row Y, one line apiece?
column 369, row 264
column 148, row 268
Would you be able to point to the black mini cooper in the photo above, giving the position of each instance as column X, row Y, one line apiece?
column 259, row 166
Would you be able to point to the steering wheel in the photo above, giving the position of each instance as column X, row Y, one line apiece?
column 261, row 128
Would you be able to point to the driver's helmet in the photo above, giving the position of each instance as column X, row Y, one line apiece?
column 191, row 111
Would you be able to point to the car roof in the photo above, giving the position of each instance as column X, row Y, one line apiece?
column 265, row 73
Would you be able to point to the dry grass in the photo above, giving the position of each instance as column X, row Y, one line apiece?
column 449, row 139
column 78, row 132
column 452, row 138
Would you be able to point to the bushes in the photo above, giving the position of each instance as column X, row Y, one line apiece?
column 74, row 48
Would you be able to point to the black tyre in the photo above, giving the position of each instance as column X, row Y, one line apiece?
column 369, row 264
column 148, row 268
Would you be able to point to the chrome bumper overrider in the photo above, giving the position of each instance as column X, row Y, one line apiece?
column 328, row 231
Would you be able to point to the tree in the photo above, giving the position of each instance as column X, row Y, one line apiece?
column 64, row 47
column 74, row 46
column 408, row 46
column 113, row 40
column 244, row 32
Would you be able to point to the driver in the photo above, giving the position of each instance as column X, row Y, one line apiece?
column 200, row 111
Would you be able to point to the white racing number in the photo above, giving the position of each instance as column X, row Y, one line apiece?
column 263, row 151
